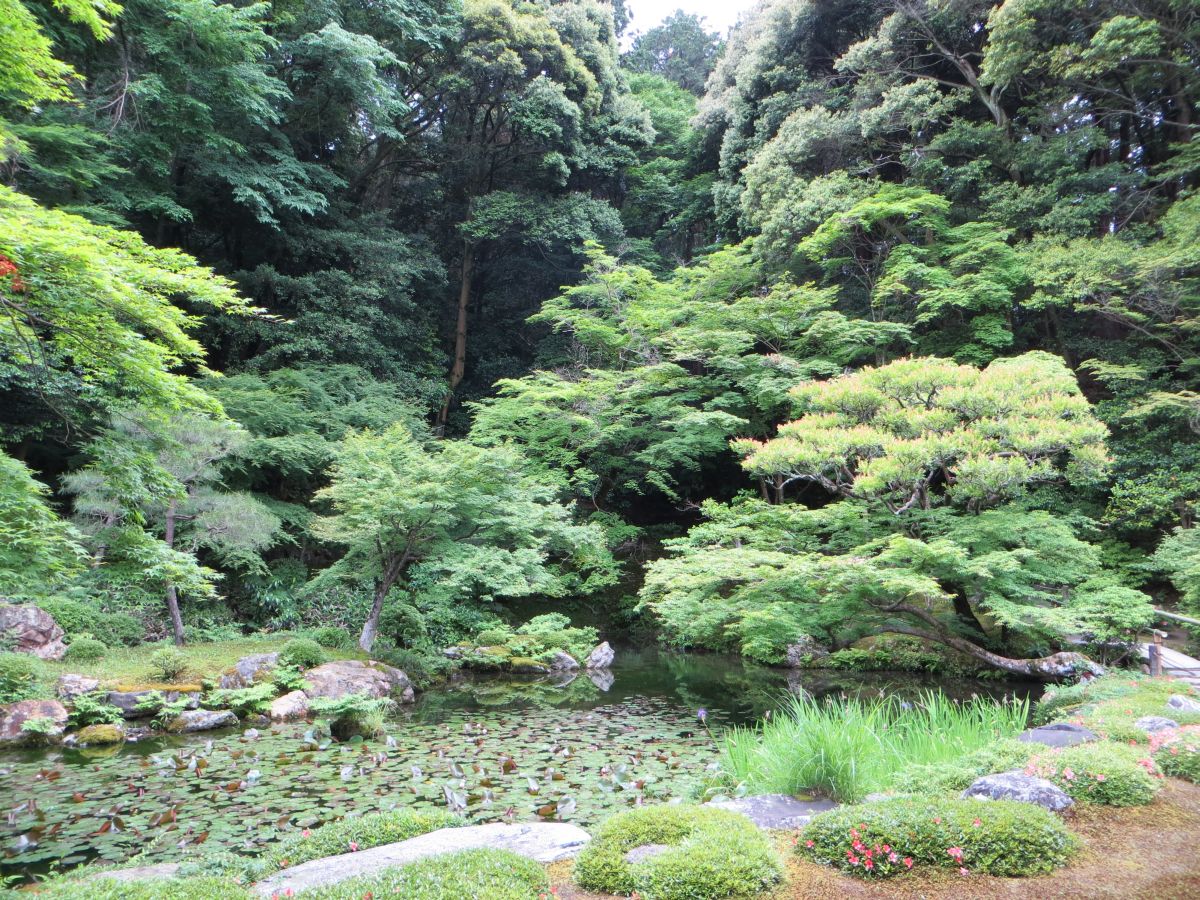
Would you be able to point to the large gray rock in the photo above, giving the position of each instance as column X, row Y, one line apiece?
column 544, row 842
column 249, row 669
column 1058, row 734
column 202, row 720
column 600, row 658
column 1155, row 724
column 563, row 662
column 293, row 705
column 349, row 676
column 71, row 686
column 1183, row 704
column 774, row 810
column 15, row 715
column 144, row 704
column 1020, row 787
column 29, row 629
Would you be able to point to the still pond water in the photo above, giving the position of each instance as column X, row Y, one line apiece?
column 576, row 748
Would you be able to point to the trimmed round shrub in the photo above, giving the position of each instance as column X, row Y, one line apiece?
column 168, row 663
column 1177, row 753
column 332, row 638
column 364, row 832
column 303, row 653
column 18, row 677
column 491, row 637
column 466, row 875
column 77, row 618
column 100, row 888
column 85, row 649
column 1100, row 772
column 992, row 837
column 712, row 853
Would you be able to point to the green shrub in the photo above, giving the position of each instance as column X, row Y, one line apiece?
column 1177, row 753
column 303, row 653
column 99, row 888
column 1100, row 772
column 243, row 701
column 466, row 875
column 994, row 837
column 85, row 649
column 1062, row 702
column 954, row 776
column 713, row 853
column 168, row 663
column 332, row 638
column 78, row 618
column 364, row 832
column 94, row 709
column 423, row 669
column 492, row 636
column 353, row 715
column 38, row 728
column 18, row 677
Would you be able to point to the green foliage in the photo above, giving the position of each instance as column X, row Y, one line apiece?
column 94, row 709
column 953, row 776
column 1177, row 753
column 255, row 699
column 168, row 663
column 366, row 831
column 1000, row 837
column 498, row 874
column 38, row 551
column 423, row 669
column 39, row 728
column 848, row 749
column 1100, row 772
column 85, row 649
column 713, row 853
column 332, row 638
column 302, row 653
column 77, row 617
column 18, row 677
column 100, row 888
column 354, row 715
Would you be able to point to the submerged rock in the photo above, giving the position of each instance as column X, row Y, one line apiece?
column 1155, row 724
column 780, row 811
column 1183, row 704
column 600, row 658
column 544, row 842
column 1058, row 734
column 350, row 676
column 1020, row 787
column 201, row 720
column 249, row 669
column 92, row 735
column 601, row 678
column 71, row 686
column 292, row 705
column 14, row 716
column 30, row 629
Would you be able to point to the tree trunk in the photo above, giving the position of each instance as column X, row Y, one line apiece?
column 172, row 595
column 459, row 367
column 966, row 614
column 1056, row 667
column 371, row 626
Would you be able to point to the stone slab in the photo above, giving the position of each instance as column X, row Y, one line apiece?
column 1058, row 734
column 778, row 811
column 544, row 842
column 1019, row 787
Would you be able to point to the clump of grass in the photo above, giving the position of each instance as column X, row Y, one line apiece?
column 848, row 749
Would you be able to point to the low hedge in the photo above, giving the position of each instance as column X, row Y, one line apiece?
column 992, row 837
column 1177, row 753
column 465, row 875
column 712, row 854
column 347, row 835
column 1100, row 772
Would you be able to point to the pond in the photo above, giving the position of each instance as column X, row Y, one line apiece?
column 573, row 748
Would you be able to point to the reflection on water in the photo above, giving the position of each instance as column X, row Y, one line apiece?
column 577, row 746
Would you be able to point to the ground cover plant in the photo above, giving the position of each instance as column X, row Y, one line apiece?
column 1100, row 772
column 848, row 749
column 994, row 837
column 1177, row 752
column 473, row 874
column 711, row 854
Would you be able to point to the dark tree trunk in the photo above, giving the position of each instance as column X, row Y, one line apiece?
column 459, row 368
column 172, row 594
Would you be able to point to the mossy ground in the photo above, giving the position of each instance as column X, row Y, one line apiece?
column 1128, row 854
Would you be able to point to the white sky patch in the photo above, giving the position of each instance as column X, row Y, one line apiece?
column 719, row 15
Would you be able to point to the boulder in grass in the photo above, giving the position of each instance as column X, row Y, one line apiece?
column 71, row 686
column 14, row 716
column 777, row 811
column 350, row 676
column 1183, row 704
column 32, row 630
column 1019, row 787
column 249, row 670
column 1155, row 724
column 1058, row 734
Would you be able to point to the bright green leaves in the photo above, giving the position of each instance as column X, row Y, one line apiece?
column 38, row 550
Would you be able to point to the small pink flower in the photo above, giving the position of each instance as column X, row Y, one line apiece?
column 955, row 852
column 1101, row 777
column 892, row 857
column 937, row 821
column 354, row 846
column 868, row 864
column 809, row 844
column 976, row 823
column 305, row 833
column 908, row 862
column 962, row 870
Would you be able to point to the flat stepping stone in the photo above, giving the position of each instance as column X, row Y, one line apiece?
column 141, row 873
column 1155, row 724
column 778, row 811
column 1058, row 734
column 1019, row 787
column 544, row 842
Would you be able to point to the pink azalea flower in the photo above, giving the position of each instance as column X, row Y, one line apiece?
column 908, row 862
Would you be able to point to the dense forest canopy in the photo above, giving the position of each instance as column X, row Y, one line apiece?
column 869, row 317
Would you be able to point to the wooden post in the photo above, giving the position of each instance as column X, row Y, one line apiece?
column 1156, row 655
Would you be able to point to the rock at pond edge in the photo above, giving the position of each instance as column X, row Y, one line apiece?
column 600, row 658
column 201, row 720
column 249, row 669
column 14, row 715
column 30, row 629
column 92, row 735
column 779, row 811
column 350, row 676
column 292, row 705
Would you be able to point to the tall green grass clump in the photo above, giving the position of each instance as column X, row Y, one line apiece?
column 848, row 749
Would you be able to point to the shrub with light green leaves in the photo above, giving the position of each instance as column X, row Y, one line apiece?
column 303, row 653
column 958, row 775
column 348, row 834
column 85, row 649
column 1177, row 752
column 18, row 677
column 712, row 853
column 992, row 837
column 100, row 888
column 1100, row 772
column 168, row 663
column 332, row 638
column 481, row 874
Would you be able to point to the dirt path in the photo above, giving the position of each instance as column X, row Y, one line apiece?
column 1143, row 853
